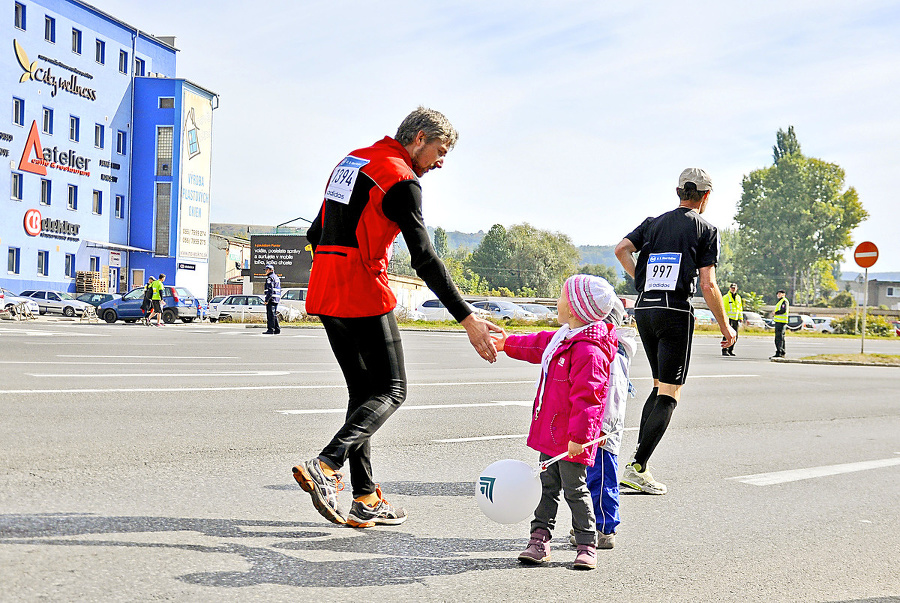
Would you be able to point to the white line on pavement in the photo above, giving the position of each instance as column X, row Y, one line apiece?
column 497, row 437
column 793, row 475
column 124, row 390
column 698, row 377
column 143, row 356
column 326, row 411
column 112, row 375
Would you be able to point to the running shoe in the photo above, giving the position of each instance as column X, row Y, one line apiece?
column 322, row 488
column 641, row 481
column 363, row 516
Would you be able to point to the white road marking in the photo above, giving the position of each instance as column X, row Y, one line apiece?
column 793, row 475
column 124, row 390
column 698, row 377
column 144, row 356
column 496, row 437
column 327, row 411
column 112, row 375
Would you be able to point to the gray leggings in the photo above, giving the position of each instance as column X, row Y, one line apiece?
column 571, row 478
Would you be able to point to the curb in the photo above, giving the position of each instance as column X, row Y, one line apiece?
column 832, row 362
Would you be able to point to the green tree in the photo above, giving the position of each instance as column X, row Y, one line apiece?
column 601, row 270
column 490, row 258
column 441, row 246
column 540, row 260
column 792, row 217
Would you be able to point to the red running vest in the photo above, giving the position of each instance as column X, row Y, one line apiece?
column 349, row 272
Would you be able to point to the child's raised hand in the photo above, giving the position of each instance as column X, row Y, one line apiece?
column 575, row 448
column 499, row 340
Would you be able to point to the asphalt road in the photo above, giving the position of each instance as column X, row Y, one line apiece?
column 154, row 464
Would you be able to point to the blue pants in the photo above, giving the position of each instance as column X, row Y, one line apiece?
column 603, row 483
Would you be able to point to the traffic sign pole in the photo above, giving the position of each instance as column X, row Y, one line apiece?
column 865, row 254
column 862, row 347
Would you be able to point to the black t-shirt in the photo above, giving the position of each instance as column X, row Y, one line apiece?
column 672, row 248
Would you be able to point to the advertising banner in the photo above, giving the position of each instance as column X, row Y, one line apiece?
column 193, row 204
column 289, row 255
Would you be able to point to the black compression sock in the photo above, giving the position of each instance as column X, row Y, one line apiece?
column 648, row 407
column 654, row 428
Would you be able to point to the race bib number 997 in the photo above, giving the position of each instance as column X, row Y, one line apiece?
column 340, row 186
column 662, row 271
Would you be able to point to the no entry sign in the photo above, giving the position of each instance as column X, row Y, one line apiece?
column 866, row 254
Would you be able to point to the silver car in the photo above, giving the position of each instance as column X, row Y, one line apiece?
column 8, row 299
column 502, row 310
column 56, row 301
column 237, row 307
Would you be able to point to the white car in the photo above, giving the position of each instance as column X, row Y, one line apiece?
column 407, row 314
column 503, row 310
column 294, row 297
column 753, row 320
column 702, row 316
column 56, row 301
column 823, row 325
column 540, row 311
column 434, row 310
column 237, row 307
column 8, row 299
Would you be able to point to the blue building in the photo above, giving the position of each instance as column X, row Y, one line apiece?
column 108, row 153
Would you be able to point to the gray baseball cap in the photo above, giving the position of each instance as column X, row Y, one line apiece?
column 698, row 177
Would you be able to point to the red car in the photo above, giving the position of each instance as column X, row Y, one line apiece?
column 897, row 328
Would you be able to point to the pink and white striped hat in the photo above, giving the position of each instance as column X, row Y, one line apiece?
column 590, row 297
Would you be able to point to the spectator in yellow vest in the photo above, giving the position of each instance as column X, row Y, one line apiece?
column 734, row 310
column 780, row 316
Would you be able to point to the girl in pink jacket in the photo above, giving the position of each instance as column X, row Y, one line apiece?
column 568, row 409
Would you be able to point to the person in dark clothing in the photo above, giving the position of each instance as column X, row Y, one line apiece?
column 780, row 317
column 373, row 195
column 273, row 296
column 674, row 248
column 147, row 304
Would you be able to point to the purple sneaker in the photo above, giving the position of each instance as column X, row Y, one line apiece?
column 586, row 558
column 538, row 550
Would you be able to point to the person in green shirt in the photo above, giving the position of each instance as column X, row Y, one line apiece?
column 156, row 298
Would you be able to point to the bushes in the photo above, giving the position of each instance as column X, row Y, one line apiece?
column 875, row 325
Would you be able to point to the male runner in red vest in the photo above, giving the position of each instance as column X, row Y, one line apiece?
column 372, row 196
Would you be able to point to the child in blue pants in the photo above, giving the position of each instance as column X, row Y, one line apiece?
column 602, row 478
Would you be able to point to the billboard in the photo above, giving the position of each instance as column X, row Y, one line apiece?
column 196, row 152
column 290, row 255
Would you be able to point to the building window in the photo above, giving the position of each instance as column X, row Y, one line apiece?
column 48, row 120
column 16, row 192
column 73, row 197
column 74, row 127
column 70, row 265
column 99, row 132
column 138, row 66
column 46, row 189
column 98, row 203
column 50, row 29
column 166, row 102
column 123, row 61
column 95, row 263
column 76, row 41
column 120, row 206
column 121, row 143
column 163, row 209
column 20, row 15
column 18, row 117
column 43, row 263
column 893, row 292
column 12, row 264
column 164, row 135
column 100, row 52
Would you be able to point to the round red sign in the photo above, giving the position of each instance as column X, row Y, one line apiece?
column 33, row 222
column 865, row 254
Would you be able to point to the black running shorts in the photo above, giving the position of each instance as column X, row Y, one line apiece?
column 666, row 327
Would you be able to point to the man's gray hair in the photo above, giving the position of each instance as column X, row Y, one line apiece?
column 433, row 123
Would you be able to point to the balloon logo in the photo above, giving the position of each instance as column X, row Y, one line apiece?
column 508, row 491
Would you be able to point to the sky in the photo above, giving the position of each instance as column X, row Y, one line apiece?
column 576, row 117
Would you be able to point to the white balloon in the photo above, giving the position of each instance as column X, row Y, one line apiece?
column 508, row 491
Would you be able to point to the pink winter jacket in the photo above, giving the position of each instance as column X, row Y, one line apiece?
column 575, row 390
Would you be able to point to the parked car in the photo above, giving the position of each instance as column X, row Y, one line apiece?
column 178, row 303
column 8, row 299
column 434, row 310
column 504, row 310
column 770, row 324
column 822, row 324
column 294, row 297
column 540, row 311
column 753, row 320
column 237, row 307
column 800, row 322
column 95, row 299
column 407, row 314
column 56, row 301
column 896, row 324
column 702, row 316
